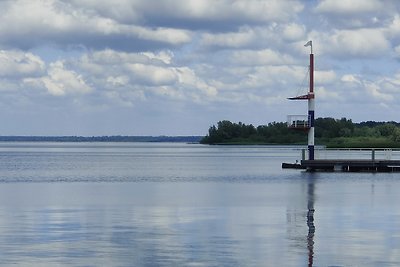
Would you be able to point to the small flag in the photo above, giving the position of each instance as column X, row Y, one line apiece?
column 309, row 43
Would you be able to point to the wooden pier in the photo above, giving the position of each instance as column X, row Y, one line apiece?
column 346, row 165
column 351, row 165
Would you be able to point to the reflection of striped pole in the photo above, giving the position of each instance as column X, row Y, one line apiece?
column 311, row 108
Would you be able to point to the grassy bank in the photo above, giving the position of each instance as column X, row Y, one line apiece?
column 359, row 142
column 338, row 142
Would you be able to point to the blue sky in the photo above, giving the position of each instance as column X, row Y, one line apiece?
column 174, row 67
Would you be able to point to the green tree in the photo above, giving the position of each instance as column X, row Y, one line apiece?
column 396, row 135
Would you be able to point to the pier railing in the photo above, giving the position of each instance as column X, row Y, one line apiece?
column 297, row 121
column 354, row 153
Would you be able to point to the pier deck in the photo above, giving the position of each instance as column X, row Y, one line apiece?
column 347, row 165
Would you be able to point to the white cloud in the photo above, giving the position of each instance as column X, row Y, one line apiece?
column 326, row 94
column 349, row 78
column 277, row 37
column 152, row 75
column 193, row 10
column 59, row 81
column 294, row 32
column 360, row 43
column 265, row 81
column 164, row 35
column 274, row 36
column 101, row 24
column 165, row 56
column 242, row 38
column 60, row 22
column 124, row 99
column 391, row 84
column 20, row 64
column 112, row 57
column 324, row 77
column 355, row 13
column 268, row 10
column 376, row 92
column 260, row 57
column 381, row 90
column 394, row 27
column 169, row 92
column 119, row 81
column 188, row 77
column 348, row 7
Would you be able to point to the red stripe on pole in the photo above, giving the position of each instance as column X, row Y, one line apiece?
column 311, row 73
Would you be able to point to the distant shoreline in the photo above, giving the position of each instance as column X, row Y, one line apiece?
column 117, row 138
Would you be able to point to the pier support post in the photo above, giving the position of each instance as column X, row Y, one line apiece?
column 373, row 154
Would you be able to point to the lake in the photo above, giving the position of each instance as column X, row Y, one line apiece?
column 175, row 204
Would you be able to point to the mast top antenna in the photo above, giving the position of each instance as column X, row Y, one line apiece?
column 309, row 43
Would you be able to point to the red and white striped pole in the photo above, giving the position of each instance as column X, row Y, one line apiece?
column 311, row 106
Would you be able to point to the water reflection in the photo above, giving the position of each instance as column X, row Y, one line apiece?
column 310, row 221
column 301, row 221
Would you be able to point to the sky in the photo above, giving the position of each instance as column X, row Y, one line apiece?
column 176, row 67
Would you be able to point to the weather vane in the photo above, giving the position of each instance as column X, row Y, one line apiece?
column 309, row 43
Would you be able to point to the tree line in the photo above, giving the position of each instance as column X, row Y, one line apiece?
column 328, row 131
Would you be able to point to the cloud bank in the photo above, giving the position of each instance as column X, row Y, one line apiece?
column 175, row 67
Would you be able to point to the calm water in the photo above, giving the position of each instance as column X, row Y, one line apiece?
column 135, row 204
